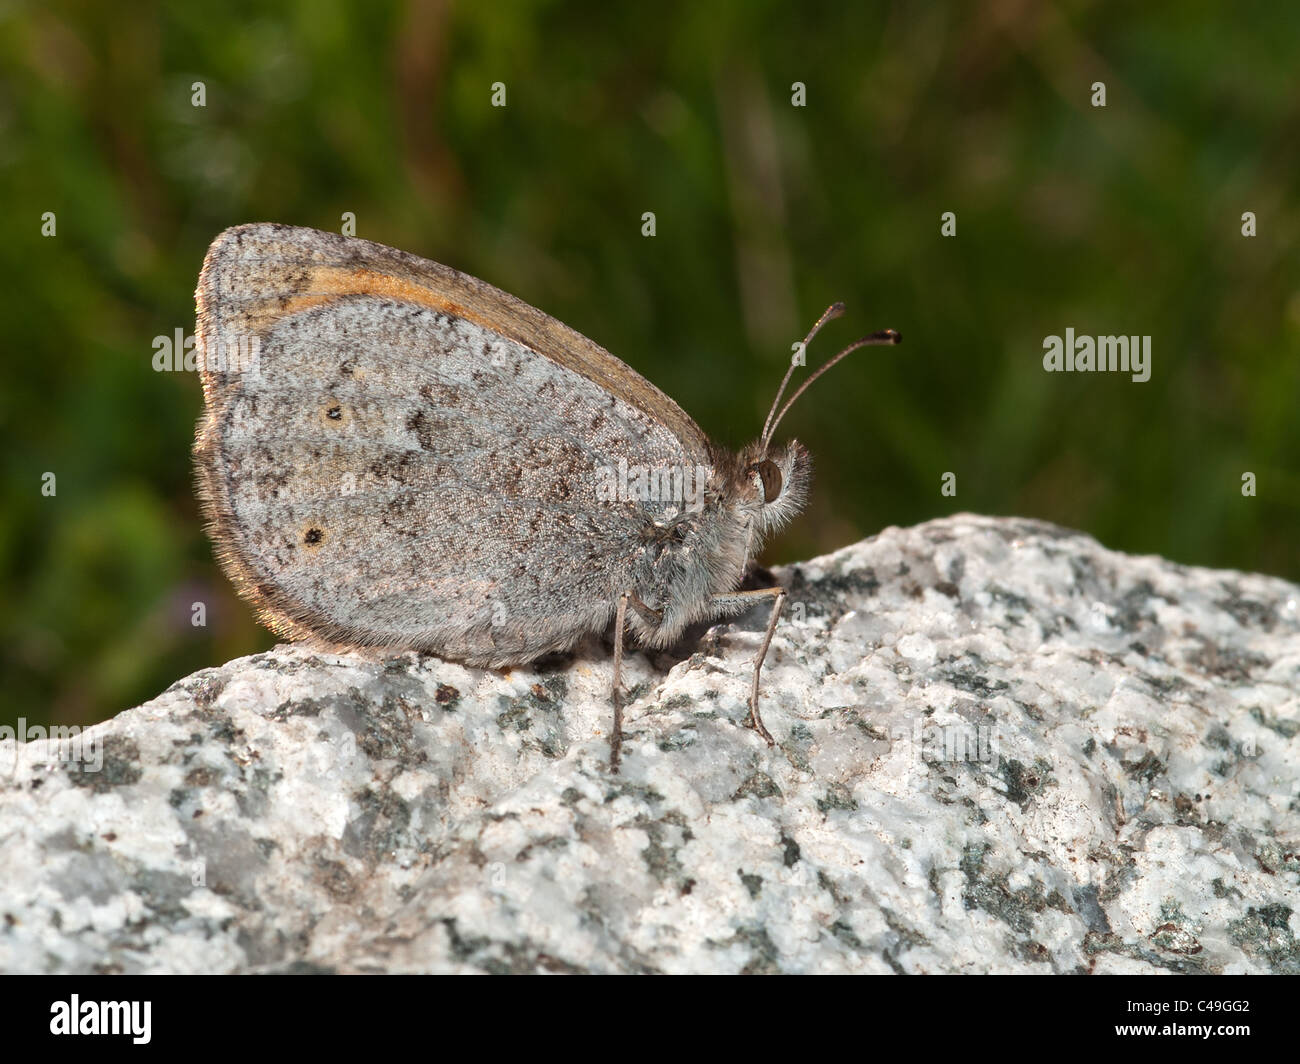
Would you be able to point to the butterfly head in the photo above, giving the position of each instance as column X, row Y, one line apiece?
column 773, row 482
column 773, row 479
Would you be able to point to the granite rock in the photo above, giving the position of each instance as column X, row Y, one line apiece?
column 1001, row 747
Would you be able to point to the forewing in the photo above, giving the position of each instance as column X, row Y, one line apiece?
column 396, row 454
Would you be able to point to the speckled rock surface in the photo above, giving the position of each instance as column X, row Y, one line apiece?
column 1001, row 747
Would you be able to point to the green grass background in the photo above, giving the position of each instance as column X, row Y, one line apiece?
column 1122, row 220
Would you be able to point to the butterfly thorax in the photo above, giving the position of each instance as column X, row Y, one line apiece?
column 684, row 561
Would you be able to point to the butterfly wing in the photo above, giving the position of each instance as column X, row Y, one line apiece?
column 395, row 454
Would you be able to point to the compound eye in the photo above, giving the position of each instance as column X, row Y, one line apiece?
column 770, row 474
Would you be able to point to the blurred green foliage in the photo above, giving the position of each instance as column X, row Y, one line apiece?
column 1123, row 219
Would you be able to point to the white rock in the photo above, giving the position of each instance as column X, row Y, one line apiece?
column 1001, row 748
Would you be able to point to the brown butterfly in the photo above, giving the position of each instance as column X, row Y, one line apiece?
column 394, row 454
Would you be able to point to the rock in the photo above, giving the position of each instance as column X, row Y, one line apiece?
column 1001, row 748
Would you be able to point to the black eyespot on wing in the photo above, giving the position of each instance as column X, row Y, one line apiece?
column 771, row 476
column 313, row 537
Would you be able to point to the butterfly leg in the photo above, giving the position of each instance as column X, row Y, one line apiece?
column 651, row 616
column 616, row 737
column 736, row 602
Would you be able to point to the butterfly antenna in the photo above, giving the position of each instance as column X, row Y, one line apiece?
column 829, row 314
column 885, row 337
